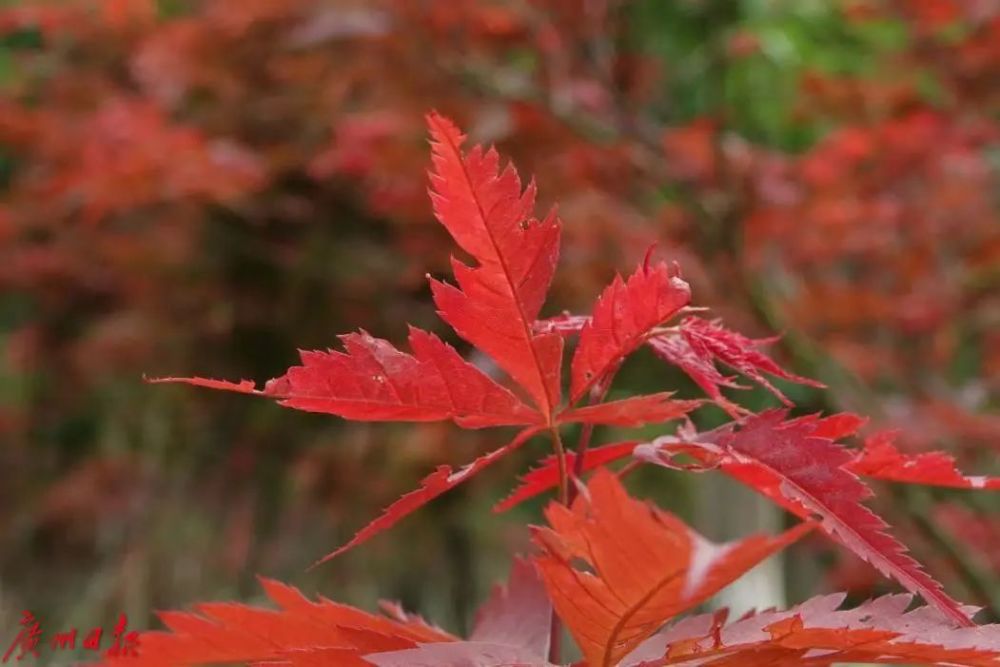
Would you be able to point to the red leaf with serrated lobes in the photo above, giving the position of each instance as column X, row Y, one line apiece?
column 676, row 350
column 218, row 633
column 699, row 343
column 793, row 464
column 624, row 316
column 631, row 411
column 374, row 381
column 496, row 303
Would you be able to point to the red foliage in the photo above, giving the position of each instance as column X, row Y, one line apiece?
column 220, row 633
column 797, row 465
column 496, row 303
column 647, row 567
column 624, row 318
column 495, row 308
column 131, row 130
column 373, row 381
column 441, row 480
column 614, row 569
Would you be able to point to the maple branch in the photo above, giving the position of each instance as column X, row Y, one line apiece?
column 560, row 450
column 555, row 627
column 581, row 450
column 629, row 468
column 555, row 639
column 585, row 435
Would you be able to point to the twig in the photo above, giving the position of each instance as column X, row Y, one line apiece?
column 555, row 627
column 585, row 435
column 561, row 459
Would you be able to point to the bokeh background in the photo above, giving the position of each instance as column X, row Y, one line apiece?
column 203, row 186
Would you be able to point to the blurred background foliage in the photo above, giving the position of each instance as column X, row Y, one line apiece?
column 203, row 186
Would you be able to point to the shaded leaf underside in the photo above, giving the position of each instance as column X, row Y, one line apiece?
column 817, row 633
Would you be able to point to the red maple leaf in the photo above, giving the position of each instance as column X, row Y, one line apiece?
column 710, row 340
column 441, row 480
column 496, row 302
column 374, row 381
column 624, row 318
column 631, row 411
column 797, row 465
column 694, row 345
column 494, row 306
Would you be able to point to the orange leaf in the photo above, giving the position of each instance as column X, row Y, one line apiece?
column 237, row 633
column 646, row 566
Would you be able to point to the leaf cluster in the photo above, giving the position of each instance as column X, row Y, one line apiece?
column 616, row 571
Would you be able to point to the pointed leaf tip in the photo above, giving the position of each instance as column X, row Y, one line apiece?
column 880, row 459
column 241, row 387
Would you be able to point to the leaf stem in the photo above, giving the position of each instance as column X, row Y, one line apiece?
column 629, row 468
column 555, row 639
column 555, row 627
column 567, row 492
column 597, row 394
column 561, row 458
column 581, row 450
